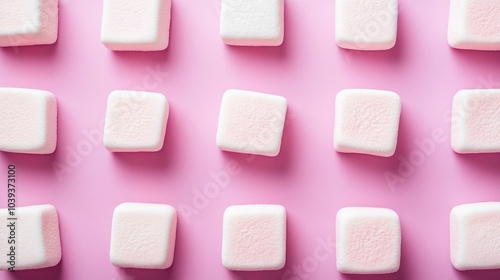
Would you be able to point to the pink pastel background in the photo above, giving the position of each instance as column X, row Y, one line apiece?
column 308, row 177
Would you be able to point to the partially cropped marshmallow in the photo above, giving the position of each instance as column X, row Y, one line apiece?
column 252, row 23
column 143, row 235
column 474, row 24
column 28, row 121
column 130, row 25
column 28, row 22
column 474, row 235
column 32, row 240
column 367, row 122
column 475, row 121
column 368, row 240
column 251, row 122
column 366, row 24
column 254, row 237
column 136, row 121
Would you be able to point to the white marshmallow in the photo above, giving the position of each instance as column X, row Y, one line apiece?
column 35, row 237
column 130, row 25
column 28, row 22
column 143, row 235
column 368, row 240
column 29, row 121
column 475, row 121
column 254, row 237
column 474, row 236
column 367, row 122
column 252, row 22
column 474, row 24
column 135, row 121
column 251, row 122
column 366, row 24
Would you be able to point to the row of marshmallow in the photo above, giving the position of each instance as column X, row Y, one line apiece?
column 368, row 239
column 366, row 121
column 129, row 25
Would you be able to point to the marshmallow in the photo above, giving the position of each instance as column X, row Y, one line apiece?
column 130, row 25
column 474, row 236
column 254, row 237
column 474, row 24
column 28, row 22
column 475, row 121
column 251, row 122
column 368, row 240
column 367, row 122
column 34, row 237
column 28, row 121
column 143, row 235
column 366, row 24
column 135, row 121
column 252, row 23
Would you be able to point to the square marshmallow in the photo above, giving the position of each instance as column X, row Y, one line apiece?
column 474, row 24
column 475, row 236
column 366, row 24
column 254, row 237
column 368, row 240
column 251, row 122
column 36, row 236
column 28, row 22
column 476, row 121
column 28, row 121
column 143, row 235
column 367, row 122
column 136, row 121
column 131, row 25
column 252, row 22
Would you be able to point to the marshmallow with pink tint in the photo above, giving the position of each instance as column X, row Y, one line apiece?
column 254, row 237
column 252, row 23
column 366, row 24
column 474, row 24
column 130, row 25
column 36, row 234
column 28, row 121
column 28, row 22
column 143, row 235
column 136, row 121
column 474, row 236
column 476, row 121
column 367, row 122
column 368, row 240
column 251, row 122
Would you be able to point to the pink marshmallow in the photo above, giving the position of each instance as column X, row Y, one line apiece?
column 368, row 240
column 476, row 121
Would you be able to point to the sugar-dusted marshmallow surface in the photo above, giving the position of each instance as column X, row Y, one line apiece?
column 28, row 121
column 251, row 122
column 28, row 22
column 474, row 236
column 474, row 24
column 254, row 237
column 136, row 121
column 252, row 22
column 34, row 235
column 143, row 235
column 367, row 121
column 368, row 240
column 130, row 25
column 476, row 121
column 366, row 24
